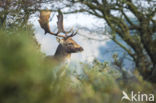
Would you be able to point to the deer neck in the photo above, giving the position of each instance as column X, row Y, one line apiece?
column 61, row 53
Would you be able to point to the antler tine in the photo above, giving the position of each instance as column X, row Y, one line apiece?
column 71, row 35
column 44, row 22
column 60, row 23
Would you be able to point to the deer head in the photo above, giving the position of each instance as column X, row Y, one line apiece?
column 66, row 44
column 69, row 45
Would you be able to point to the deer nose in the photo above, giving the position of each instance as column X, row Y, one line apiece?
column 81, row 49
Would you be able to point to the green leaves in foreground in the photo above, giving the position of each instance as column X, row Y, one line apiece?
column 26, row 77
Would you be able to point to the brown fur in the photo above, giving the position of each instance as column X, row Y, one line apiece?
column 65, row 48
column 66, row 45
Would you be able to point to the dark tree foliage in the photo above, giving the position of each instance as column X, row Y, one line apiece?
column 17, row 12
column 138, row 32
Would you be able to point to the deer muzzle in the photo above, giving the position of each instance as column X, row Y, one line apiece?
column 75, row 50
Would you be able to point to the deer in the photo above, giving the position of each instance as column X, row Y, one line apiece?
column 67, row 45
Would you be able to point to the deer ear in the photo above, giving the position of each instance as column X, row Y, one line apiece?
column 59, row 40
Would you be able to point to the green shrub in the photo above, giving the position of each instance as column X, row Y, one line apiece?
column 26, row 77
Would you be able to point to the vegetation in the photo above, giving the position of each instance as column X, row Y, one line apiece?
column 133, row 21
column 26, row 77
column 17, row 12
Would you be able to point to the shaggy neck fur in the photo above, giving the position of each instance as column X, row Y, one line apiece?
column 61, row 53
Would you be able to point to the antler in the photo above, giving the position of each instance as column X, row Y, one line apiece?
column 44, row 23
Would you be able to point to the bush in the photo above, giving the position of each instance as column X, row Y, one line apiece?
column 26, row 77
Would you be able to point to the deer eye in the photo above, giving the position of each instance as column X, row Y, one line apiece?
column 70, row 44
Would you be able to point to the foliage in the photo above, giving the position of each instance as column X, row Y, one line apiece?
column 27, row 77
column 133, row 21
column 17, row 12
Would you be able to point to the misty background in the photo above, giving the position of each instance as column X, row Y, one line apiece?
column 100, row 47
